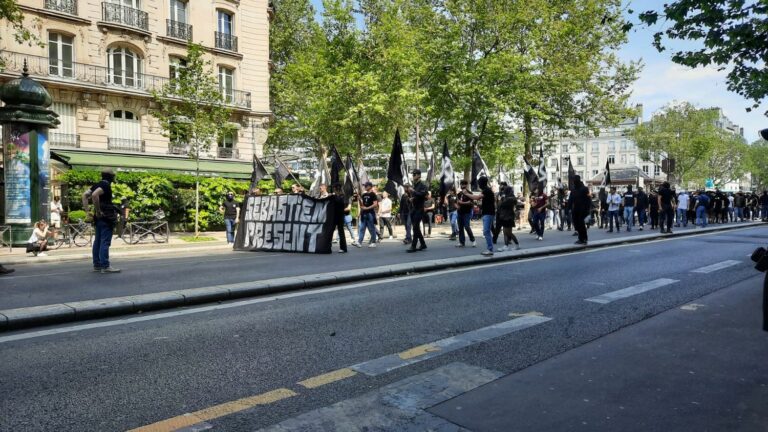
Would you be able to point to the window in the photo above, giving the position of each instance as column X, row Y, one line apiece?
column 125, row 131
column 565, row 148
column 178, row 11
column 60, row 54
column 624, row 145
column 645, row 169
column 65, row 135
column 594, row 173
column 632, row 159
column 225, row 23
column 579, row 147
column 656, row 171
column 136, row 4
column 226, row 83
column 611, row 145
column 623, row 159
column 612, row 159
column 595, row 146
column 595, row 160
column 580, row 160
column 124, row 67
column 553, row 162
column 176, row 63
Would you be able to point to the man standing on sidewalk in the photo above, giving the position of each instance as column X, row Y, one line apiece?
column 368, row 203
column 104, row 218
column 418, row 194
column 642, row 207
column 405, row 214
column 666, row 204
column 582, row 205
column 231, row 211
column 613, row 200
column 682, row 209
column 451, row 202
column 465, row 204
column 630, row 201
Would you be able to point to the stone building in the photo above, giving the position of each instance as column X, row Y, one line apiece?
column 102, row 59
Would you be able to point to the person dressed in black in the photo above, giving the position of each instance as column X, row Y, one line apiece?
column 505, row 217
column 418, row 193
column 581, row 206
column 231, row 210
column 405, row 216
column 667, row 213
column 464, row 214
column 602, row 197
column 339, row 206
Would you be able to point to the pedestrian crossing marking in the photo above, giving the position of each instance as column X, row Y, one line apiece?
column 327, row 378
column 717, row 266
column 531, row 313
column 631, row 291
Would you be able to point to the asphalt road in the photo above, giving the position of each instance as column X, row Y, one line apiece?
column 61, row 282
column 123, row 374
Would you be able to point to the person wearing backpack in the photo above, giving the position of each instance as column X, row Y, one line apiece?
column 104, row 215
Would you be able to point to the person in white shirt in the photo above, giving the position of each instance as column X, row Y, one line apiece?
column 682, row 209
column 385, row 213
column 38, row 241
column 56, row 211
column 614, row 202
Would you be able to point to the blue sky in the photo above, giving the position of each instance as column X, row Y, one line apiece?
column 663, row 81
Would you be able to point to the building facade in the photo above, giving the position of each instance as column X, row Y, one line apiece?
column 101, row 60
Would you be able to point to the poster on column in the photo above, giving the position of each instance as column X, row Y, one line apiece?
column 286, row 223
column 18, row 187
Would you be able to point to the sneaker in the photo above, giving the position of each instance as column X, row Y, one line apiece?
column 517, row 247
column 372, row 245
column 503, row 249
column 390, row 237
column 474, row 243
column 97, row 269
column 411, row 250
column 342, row 251
column 110, row 270
column 422, row 247
column 460, row 245
column 539, row 238
column 487, row 253
column 356, row 244
column 641, row 228
column 579, row 242
column 42, row 254
column 610, row 231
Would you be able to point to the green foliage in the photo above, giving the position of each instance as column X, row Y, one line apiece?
column 11, row 13
column 76, row 216
column 732, row 36
column 757, row 164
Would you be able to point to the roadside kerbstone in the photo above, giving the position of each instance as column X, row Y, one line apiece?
column 38, row 315
column 100, row 308
column 205, row 294
column 154, row 301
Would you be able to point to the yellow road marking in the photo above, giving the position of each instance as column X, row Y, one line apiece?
column 327, row 378
column 531, row 313
column 418, row 351
column 216, row 411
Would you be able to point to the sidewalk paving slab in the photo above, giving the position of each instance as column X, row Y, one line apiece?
column 93, row 308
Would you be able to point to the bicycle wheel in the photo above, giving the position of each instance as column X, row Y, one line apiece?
column 82, row 238
column 58, row 240
column 160, row 235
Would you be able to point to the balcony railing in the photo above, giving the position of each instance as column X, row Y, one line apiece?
column 125, row 15
column 66, row 6
column 177, row 148
column 125, row 144
column 101, row 76
column 64, row 140
column 178, row 29
column 226, row 41
column 227, row 153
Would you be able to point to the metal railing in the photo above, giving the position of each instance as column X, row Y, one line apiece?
column 227, row 153
column 119, row 14
column 6, row 231
column 178, row 149
column 125, row 144
column 101, row 76
column 64, row 140
column 226, row 41
column 178, row 29
column 66, row 6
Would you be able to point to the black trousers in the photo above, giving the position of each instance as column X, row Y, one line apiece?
column 418, row 237
column 580, row 226
column 668, row 215
column 340, row 228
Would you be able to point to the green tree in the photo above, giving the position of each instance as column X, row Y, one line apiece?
column 757, row 164
column 731, row 35
column 680, row 132
column 191, row 111
column 10, row 12
column 727, row 159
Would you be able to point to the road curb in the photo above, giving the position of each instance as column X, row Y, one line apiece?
column 12, row 319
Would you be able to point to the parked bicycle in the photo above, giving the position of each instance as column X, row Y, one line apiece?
column 157, row 228
column 79, row 234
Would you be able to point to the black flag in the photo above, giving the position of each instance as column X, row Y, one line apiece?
column 282, row 173
column 351, row 181
column 530, row 175
column 447, row 176
column 258, row 173
column 337, row 164
column 396, row 171
column 542, row 170
column 607, row 174
column 479, row 169
column 571, row 175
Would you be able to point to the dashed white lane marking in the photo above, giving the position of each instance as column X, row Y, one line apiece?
column 717, row 266
column 631, row 291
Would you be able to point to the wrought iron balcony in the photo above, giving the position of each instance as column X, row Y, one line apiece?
column 178, row 29
column 125, row 144
column 226, row 41
column 66, row 6
column 178, row 148
column 100, row 77
column 62, row 140
column 127, row 16
column 227, row 153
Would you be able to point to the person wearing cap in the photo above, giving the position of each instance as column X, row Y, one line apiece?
column 231, row 210
column 104, row 216
column 368, row 203
column 418, row 193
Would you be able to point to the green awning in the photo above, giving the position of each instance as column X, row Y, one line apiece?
column 152, row 163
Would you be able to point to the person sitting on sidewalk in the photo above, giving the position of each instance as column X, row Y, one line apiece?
column 6, row 270
column 38, row 241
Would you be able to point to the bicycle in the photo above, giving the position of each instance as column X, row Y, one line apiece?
column 79, row 234
column 157, row 228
